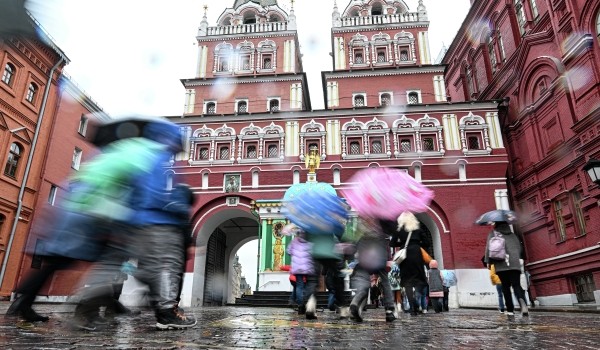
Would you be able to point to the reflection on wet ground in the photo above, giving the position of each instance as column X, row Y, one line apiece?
column 275, row 328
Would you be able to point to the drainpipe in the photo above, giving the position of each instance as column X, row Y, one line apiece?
column 27, row 169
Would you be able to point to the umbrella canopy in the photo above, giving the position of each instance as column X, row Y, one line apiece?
column 386, row 193
column 156, row 129
column 317, row 213
column 498, row 215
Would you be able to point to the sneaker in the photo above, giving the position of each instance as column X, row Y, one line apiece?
column 425, row 311
column 356, row 313
column 301, row 310
column 173, row 319
column 311, row 308
column 17, row 309
column 508, row 313
column 389, row 316
column 89, row 324
column 344, row 312
column 501, row 311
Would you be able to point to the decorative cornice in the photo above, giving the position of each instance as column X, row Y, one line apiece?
column 246, row 36
column 384, row 72
column 242, row 80
column 379, row 27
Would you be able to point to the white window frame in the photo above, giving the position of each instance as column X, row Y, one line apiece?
column 385, row 92
column 83, row 124
column 269, row 99
column 364, row 96
column 237, row 102
column 52, row 194
column 205, row 107
column 408, row 92
column 77, row 155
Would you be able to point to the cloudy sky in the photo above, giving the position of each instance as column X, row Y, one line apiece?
column 129, row 55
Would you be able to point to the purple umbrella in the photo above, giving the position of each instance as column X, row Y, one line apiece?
column 386, row 193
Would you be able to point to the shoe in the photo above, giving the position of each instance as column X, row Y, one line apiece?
column 389, row 316
column 95, row 323
column 508, row 313
column 356, row 313
column 524, row 309
column 501, row 311
column 173, row 319
column 311, row 308
column 16, row 309
column 301, row 310
column 425, row 311
column 344, row 312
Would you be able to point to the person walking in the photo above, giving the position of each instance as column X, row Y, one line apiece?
column 436, row 286
column 506, row 264
column 302, row 266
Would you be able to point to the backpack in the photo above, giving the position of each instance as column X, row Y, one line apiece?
column 497, row 247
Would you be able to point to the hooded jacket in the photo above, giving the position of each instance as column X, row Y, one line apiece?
column 512, row 246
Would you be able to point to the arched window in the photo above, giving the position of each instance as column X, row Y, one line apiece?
column 492, row 52
column 242, row 107
column 9, row 72
column 211, row 108
column 32, row 92
column 274, row 105
column 249, row 18
column 274, row 18
column 521, row 17
column 377, row 10
column 359, row 101
column 14, row 155
column 386, row 99
column 413, row 97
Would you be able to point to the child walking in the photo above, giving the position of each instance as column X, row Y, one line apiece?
column 436, row 286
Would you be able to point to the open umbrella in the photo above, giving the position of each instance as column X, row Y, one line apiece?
column 317, row 213
column 498, row 215
column 134, row 126
column 386, row 193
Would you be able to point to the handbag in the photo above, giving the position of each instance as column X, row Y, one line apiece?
column 401, row 254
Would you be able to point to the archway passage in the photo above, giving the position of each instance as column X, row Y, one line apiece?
column 218, row 274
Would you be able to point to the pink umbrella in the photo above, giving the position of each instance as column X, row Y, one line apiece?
column 386, row 193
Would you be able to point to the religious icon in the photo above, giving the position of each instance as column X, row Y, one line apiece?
column 278, row 246
column 313, row 160
column 232, row 183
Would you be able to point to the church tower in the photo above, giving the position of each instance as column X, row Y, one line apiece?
column 249, row 62
column 381, row 57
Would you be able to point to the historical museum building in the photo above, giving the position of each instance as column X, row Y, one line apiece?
column 43, row 121
column 543, row 58
column 249, row 128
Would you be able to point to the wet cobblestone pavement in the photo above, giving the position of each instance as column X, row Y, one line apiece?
column 275, row 328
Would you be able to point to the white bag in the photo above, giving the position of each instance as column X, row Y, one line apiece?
column 401, row 254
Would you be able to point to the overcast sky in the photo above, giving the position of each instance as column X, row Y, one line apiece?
column 129, row 55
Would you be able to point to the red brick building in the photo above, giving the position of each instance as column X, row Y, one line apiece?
column 249, row 126
column 542, row 57
column 43, row 120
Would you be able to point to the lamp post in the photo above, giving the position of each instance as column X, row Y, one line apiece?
column 592, row 167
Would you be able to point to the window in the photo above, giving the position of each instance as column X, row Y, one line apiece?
column 354, row 147
column 251, row 151
column 428, row 144
column 585, row 287
column 501, row 46
column 202, row 153
column 492, row 52
column 413, row 98
column 83, row 123
column 249, row 18
column 381, row 56
column 359, row 101
column 473, row 142
column 576, row 196
column 377, row 10
column 52, row 195
column 385, row 99
column 9, row 72
column 245, row 63
column 2, row 221
column 76, row 158
column 376, row 147
column 560, row 223
column 272, row 151
column 274, row 105
column 405, row 145
column 242, row 107
column 358, row 56
column 534, row 9
column 224, row 153
column 223, row 63
column 14, row 155
column 211, row 108
column 521, row 18
column 267, row 62
column 598, row 25
column 31, row 93
column 404, row 55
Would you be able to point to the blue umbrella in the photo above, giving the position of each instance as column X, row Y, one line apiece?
column 498, row 215
column 317, row 212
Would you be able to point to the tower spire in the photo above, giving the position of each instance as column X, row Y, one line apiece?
column 292, row 17
column 203, row 29
column 335, row 15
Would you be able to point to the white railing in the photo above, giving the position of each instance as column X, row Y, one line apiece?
column 380, row 19
column 248, row 28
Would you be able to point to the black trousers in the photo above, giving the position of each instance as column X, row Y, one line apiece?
column 511, row 278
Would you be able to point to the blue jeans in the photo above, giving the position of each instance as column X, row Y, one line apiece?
column 300, row 289
column 500, row 297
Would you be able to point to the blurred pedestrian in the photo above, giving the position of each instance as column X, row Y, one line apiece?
column 436, row 286
column 508, row 267
column 157, row 226
column 302, row 265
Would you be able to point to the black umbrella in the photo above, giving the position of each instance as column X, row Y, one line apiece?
column 498, row 215
column 135, row 126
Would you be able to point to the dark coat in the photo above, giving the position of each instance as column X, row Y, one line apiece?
column 412, row 269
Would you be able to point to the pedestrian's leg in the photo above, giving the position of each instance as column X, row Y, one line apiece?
column 388, row 298
column 300, row 288
column 412, row 300
column 500, row 297
column 360, row 281
column 515, row 280
column 446, row 297
column 508, row 301
column 309, row 301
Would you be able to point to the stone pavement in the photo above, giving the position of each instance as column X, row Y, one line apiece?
column 276, row 328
